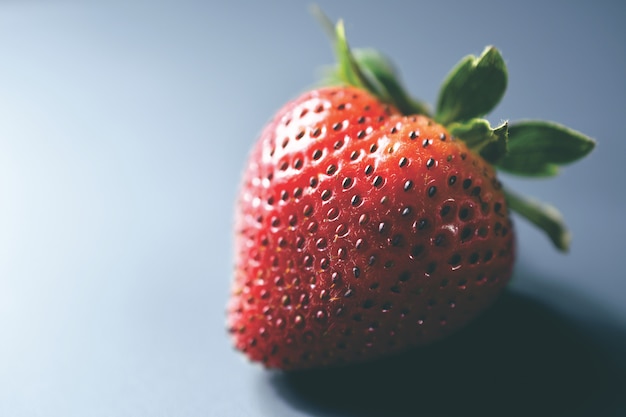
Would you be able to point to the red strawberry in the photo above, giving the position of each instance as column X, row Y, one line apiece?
column 361, row 231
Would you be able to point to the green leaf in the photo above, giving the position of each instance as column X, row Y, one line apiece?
column 366, row 68
column 473, row 88
column 383, row 72
column 537, row 148
column 527, row 168
column 542, row 215
column 479, row 136
column 349, row 69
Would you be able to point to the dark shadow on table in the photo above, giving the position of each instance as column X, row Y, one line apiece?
column 519, row 359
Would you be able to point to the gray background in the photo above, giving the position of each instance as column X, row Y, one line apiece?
column 123, row 130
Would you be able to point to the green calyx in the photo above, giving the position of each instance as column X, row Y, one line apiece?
column 469, row 92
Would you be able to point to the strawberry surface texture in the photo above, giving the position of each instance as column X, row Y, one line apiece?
column 361, row 232
column 365, row 225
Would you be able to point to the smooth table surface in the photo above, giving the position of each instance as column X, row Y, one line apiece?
column 124, row 127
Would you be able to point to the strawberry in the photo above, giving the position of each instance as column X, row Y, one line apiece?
column 366, row 226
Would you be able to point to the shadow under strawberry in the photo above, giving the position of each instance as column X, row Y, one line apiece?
column 519, row 358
